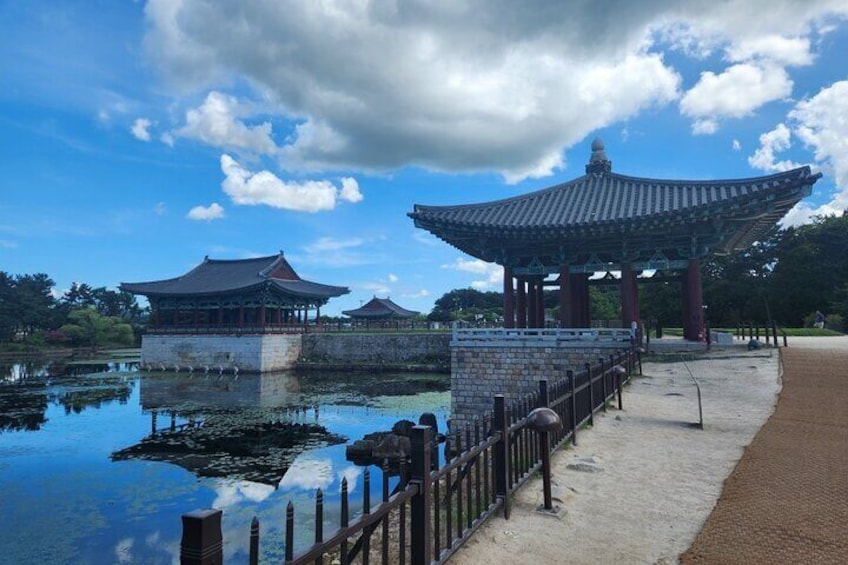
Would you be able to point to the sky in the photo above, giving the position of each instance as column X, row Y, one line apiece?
column 136, row 138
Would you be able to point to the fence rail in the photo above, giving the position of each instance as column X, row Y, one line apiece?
column 753, row 330
column 465, row 336
column 434, row 509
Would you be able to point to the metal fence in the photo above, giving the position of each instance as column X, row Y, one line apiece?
column 435, row 509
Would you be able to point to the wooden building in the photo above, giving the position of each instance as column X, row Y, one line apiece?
column 240, row 315
column 380, row 309
column 246, row 295
column 607, row 222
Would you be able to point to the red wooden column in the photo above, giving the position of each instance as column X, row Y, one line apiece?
column 565, row 318
column 521, row 300
column 540, row 302
column 509, row 305
column 693, row 320
column 531, row 303
column 262, row 316
column 580, row 314
column 629, row 307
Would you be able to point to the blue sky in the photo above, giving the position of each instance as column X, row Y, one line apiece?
column 136, row 138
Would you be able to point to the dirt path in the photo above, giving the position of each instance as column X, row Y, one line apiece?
column 787, row 499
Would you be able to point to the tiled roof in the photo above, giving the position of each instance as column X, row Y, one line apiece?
column 380, row 308
column 215, row 276
column 609, row 199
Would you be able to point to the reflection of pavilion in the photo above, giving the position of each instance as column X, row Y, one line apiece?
column 246, row 427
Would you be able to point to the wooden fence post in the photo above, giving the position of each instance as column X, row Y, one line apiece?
column 421, row 502
column 202, row 542
column 502, row 453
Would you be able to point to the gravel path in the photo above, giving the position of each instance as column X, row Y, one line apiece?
column 787, row 499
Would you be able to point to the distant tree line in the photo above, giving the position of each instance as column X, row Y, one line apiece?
column 786, row 277
column 82, row 317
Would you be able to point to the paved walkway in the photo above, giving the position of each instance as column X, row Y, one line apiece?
column 787, row 499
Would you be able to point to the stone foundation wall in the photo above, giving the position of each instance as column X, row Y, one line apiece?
column 250, row 353
column 377, row 349
column 479, row 372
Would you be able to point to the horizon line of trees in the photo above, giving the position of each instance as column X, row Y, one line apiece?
column 82, row 317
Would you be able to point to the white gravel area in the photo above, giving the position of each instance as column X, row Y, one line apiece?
column 653, row 477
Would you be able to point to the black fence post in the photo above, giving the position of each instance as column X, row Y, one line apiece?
column 591, row 395
column 543, row 393
column 502, row 453
column 253, row 558
column 570, row 374
column 420, row 503
column 202, row 542
column 603, row 381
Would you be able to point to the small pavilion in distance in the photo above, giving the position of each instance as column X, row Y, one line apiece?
column 230, row 314
column 603, row 222
column 380, row 309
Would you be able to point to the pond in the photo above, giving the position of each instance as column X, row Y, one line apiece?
column 99, row 461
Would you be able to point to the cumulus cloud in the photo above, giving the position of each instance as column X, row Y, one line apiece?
column 216, row 122
column 393, row 278
column 466, row 86
column 819, row 123
column 488, row 275
column 822, row 124
column 140, row 129
column 245, row 187
column 423, row 293
column 212, row 212
column 332, row 244
column 734, row 93
column 771, row 143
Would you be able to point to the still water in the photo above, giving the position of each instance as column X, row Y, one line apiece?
column 98, row 462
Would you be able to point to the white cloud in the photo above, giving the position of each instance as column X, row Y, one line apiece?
column 140, row 129
column 423, row 293
column 465, row 86
column 333, row 244
column 212, row 212
column 737, row 145
column 160, row 209
column 264, row 187
column 229, row 493
column 492, row 273
column 393, row 278
column 822, row 123
column 783, row 50
column 308, row 473
column 216, row 123
column 772, row 142
column 734, row 93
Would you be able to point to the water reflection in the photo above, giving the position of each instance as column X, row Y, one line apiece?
column 98, row 467
column 28, row 388
column 224, row 426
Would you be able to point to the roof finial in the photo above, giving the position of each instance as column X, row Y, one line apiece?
column 598, row 162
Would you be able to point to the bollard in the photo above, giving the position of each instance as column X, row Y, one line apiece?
column 542, row 421
column 202, row 543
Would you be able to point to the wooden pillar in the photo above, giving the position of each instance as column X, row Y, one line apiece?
column 262, row 316
column 585, row 310
column 241, row 316
column 693, row 322
column 628, row 294
column 532, row 303
column 521, row 300
column 565, row 320
column 509, row 306
column 540, row 302
column 156, row 320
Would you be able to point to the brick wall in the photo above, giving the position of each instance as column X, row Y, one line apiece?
column 479, row 372
column 250, row 353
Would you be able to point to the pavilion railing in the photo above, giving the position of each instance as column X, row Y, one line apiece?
column 518, row 335
column 434, row 509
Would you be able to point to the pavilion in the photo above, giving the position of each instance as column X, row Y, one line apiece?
column 235, row 315
column 255, row 295
column 380, row 309
column 605, row 222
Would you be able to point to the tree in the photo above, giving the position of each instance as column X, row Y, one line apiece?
column 87, row 327
column 811, row 268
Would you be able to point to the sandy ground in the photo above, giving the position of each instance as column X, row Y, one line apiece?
column 657, row 477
